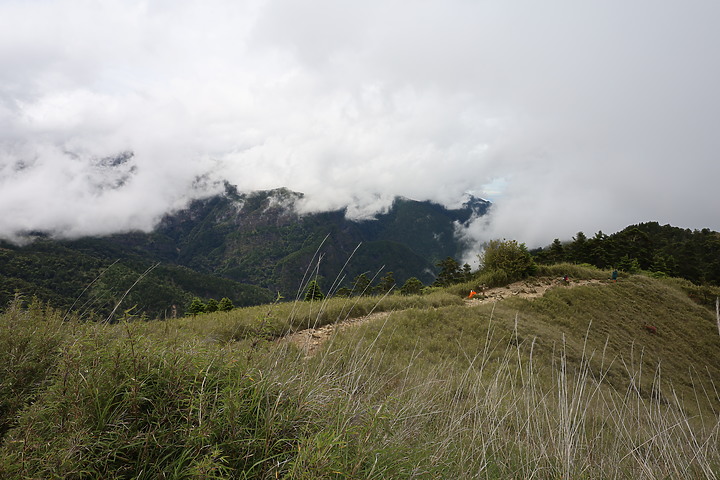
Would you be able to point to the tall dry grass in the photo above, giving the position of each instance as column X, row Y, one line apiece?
column 430, row 391
column 504, row 415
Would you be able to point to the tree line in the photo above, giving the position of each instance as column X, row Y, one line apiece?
column 197, row 306
column 501, row 258
column 663, row 249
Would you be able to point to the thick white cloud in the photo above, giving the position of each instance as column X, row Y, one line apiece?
column 589, row 115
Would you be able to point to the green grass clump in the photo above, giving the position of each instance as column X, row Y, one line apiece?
column 124, row 404
column 575, row 271
column 29, row 339
column 272, row 321
column 569, row 385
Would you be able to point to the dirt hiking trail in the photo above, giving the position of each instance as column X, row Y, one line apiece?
column 311, row 339
column 532, row 288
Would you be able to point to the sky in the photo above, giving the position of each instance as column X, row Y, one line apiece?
column 570, row 116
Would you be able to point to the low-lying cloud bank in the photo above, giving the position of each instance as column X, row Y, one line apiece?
column 587, row 116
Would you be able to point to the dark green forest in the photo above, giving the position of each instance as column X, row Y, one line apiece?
column 93, row 283
column 95, row 276
column 245, row 247
column 662, row 249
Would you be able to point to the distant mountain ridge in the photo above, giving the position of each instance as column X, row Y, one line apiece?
column 247, row 246
column 260, row 238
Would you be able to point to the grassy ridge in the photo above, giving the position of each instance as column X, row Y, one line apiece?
column 566, row 386
column 275, row 320
column 602, row 324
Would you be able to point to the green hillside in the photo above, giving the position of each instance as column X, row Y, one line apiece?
column 93, row 279
column 663, row 249
column 244, row 246
column 567, row 385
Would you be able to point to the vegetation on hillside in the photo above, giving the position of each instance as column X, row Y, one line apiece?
column 663, row 249
column 93, row 284
column 257, row 239
column 603, row 380
column 246, row 247
column 570, row 385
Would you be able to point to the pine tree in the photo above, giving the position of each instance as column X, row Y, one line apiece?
column 659, row 264
column 196, row 307
column 450, row 273
column 629, row 265
column 225, row 304
column 211, row 306
column 466, row 273
column 313, row 292
column 598, row 250
column 580, row 249
column 412, row 286
column 343, row 292
column 636, row 244
column 556, row 252
column 361, row 285
column 386, row 284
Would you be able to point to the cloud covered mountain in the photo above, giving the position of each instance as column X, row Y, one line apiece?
column 568, row 116
column 263, row 238
column 250, row 245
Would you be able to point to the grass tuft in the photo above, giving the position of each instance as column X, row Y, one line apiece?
column 569, row 385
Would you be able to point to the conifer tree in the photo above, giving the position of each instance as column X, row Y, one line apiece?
column 450, row 273
column 412, row 286
column 629, row 265
column 360, row 285
column 313, row 292
column 386, row 284
column 211, row 306
column 196, row 307
column 343, row 292
column 225, row 304
column 556, row 252
column 580, row 248
column 598, row 250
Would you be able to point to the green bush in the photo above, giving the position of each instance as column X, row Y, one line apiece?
column 508, row 256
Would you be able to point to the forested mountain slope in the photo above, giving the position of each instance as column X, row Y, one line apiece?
column 247, row 247
column 664, row 249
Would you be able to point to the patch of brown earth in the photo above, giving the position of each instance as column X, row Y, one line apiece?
column 525, row 289
column 311, row 339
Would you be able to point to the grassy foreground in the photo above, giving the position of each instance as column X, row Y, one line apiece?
column 570, row 385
